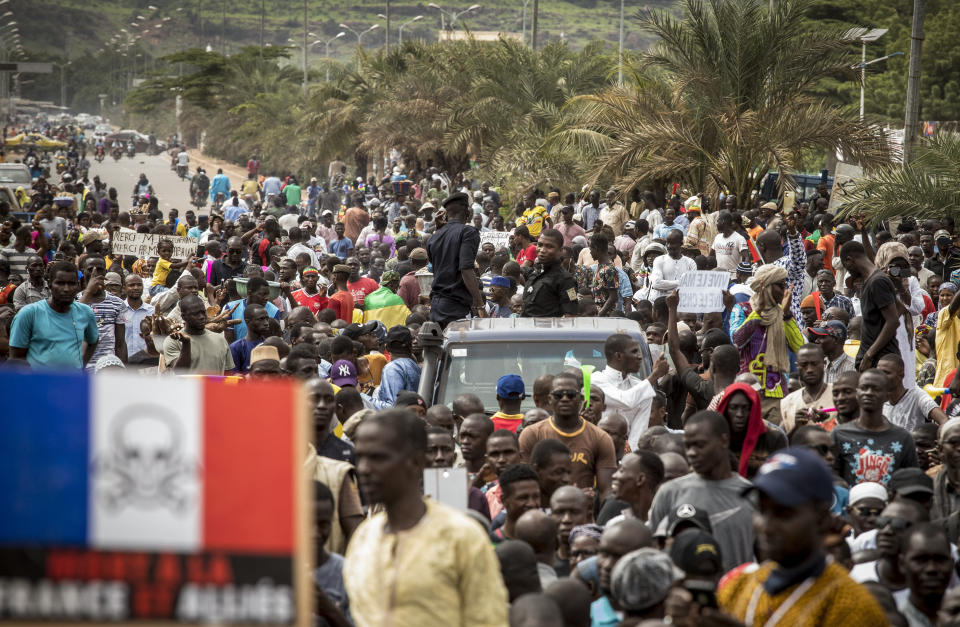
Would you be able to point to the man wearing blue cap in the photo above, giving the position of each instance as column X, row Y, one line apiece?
column 501, row 289
column 797, row 585
column 510, row 393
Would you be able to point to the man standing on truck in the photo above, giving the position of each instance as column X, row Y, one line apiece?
column 452, row 250
column 551, row 291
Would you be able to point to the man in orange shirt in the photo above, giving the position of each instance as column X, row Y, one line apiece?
column 826, row 240
column 355, row 218
column 341, row 302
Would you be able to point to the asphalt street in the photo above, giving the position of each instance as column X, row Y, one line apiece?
column 172, row 192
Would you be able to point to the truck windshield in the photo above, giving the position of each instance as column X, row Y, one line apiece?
column 475, row 368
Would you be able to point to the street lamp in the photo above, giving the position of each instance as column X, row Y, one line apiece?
column 453, row 16
column 863, row 73
column 360, row 34
column 327, row 52
column 865, row 35
column 416, row 19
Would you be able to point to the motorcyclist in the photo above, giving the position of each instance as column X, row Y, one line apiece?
column 131, row 149
column 183, row 160
column 201, row 183
column 142, row 187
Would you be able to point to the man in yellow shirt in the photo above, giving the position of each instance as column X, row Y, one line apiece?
column 419, row 562
column 797, row 586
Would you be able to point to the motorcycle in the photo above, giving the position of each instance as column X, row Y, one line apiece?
column 199, row 199
column 131, row 152
column 61, row 165
column 117, row 153
column 99, row 154
column 182, row 171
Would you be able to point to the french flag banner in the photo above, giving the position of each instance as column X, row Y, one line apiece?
column 127, row 498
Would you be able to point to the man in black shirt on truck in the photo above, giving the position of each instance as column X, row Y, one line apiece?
column 551, row 291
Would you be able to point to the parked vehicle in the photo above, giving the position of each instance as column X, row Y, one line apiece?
column 470, row 355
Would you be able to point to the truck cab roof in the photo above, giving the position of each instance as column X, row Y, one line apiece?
column 474, row 354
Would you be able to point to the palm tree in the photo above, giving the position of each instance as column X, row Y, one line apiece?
column 928, row 187
column 724, row 96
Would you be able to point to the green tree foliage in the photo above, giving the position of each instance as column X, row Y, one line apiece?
column 725, row 95
column 929, row 187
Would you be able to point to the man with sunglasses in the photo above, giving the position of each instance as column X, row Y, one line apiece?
column 892, row 526
column 867, row 501
column 815, row 438
column 592, row 454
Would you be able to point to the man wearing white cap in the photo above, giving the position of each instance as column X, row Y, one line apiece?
column 867, row 500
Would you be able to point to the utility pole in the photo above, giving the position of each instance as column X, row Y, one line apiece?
column 533, row 29
column 304, row 47
column 912, row 120
column 388, row 27
column 620, row 53
column 223, row 27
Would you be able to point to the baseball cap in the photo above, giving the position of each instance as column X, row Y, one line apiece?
column 427, row 205
column 354, row 331
column 868, row 490
column 629, row 224
column 642, row 578
column 686, row 515
column 696, row 553
column 342, row 267
column 326, row 212
column 409, row 398
column 343, row 372
column 833, row 328
column 795, row 476
column 907, row 481
column 418, row 254
column 510, row 386
column 374, row 202
column 399, row 335
column 942, row 234
column 744, row 268
column 112, row 278
column 499, row 281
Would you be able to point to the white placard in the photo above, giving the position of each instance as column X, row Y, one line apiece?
column 142, row 245
column 447, row 485
column 499, row 239
column 702, row 291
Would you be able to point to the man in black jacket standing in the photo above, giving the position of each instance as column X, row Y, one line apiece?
column 551, row 291
column 452, row 251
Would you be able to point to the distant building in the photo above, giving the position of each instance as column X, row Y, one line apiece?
column 478, row 35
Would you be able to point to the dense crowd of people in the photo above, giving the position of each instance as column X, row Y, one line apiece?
column 793, row 458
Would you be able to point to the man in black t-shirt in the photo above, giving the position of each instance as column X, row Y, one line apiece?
column 878, row 303
column 452, row 250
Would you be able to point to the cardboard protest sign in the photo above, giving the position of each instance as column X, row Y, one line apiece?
column 142, row 245
column 130, row 499
column 702, row 291
column 500, row 239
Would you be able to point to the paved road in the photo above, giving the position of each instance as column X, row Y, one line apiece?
column 123, row 174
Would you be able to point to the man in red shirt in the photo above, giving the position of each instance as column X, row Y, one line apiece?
column 359, row 286
column 341, row 302
column 309, row 296
column 526, row 249
column 510, row 394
